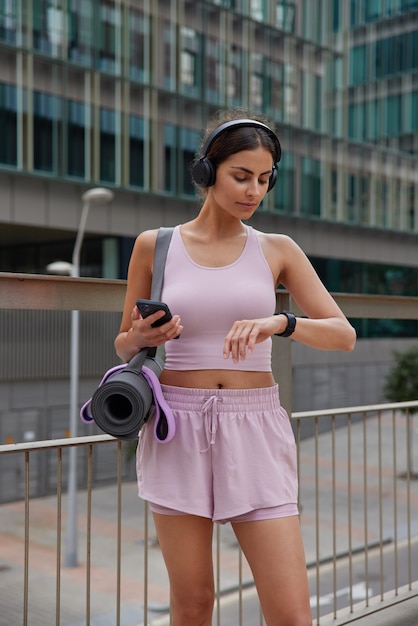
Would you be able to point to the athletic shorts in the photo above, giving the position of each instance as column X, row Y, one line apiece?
column 233, row 456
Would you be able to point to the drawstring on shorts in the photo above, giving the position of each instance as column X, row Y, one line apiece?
column 211, row 417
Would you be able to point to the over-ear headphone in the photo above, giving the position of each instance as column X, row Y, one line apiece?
column 204, row 171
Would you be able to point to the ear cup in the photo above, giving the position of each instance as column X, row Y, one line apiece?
column 272, row 179
column 204, row 173
column 203, row 170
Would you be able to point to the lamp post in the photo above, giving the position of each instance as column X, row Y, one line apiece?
column 97, row 195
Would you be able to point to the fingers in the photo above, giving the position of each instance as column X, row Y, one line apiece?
column 240, row 340
column 155, row 335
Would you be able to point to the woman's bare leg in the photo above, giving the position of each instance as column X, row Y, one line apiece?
column 275, row 553
column 186, row 544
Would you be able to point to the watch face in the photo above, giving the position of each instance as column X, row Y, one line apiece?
column 291, row 324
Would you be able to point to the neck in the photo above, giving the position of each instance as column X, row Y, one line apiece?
column 223, row 225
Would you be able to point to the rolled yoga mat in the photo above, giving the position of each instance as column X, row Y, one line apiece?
column 127, row 396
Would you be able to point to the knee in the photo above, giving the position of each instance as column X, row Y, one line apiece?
column 302, row 618
column 194, row 608
column 296, row 617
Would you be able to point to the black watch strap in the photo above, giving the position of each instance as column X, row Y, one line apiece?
column 291, row 324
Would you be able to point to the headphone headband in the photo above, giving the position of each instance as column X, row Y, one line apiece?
column 237, row 124
column 204, row 171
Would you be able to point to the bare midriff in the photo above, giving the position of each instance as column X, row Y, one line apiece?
column 216, row 379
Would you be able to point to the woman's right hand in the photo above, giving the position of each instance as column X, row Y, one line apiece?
column 143, row 332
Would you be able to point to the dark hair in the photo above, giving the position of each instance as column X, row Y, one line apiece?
column 239, row 138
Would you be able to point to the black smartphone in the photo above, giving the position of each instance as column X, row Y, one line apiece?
column 148, row 307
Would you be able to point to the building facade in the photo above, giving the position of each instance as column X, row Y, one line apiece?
column 115, row 93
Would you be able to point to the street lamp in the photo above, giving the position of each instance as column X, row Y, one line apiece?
column 97, row 195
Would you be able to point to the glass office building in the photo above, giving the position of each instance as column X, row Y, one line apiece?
column 115, row 93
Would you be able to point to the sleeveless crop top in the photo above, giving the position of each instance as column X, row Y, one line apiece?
column 210, row 299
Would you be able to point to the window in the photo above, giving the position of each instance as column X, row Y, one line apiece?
column 76, row 137
column 213, row 70
column 256, row 81
column 107, row 145
column 411, row 50
column 397, row 54
column 258, row 9
column 188, row 68
column 169, row 157
column 336, row 16
column 180, row 145
column 47, row 116
column 311, row 101
column 234, row 83
column 8, row 124
column 336, row 70
column 357, row 120
column 109, row 21
column 372, row 10
column 354, row 12
column 138, row 61
column 414, row 111
column 169, row 56
column 313, row 17
column 189, row 61
column 273, row 88
column 189, row 140
column 311, row 187
column 8, row 20
column 284, row 189
column 48, row 24
column 358, row 65
column 351, row 198
column 393, row 117
column 373, row 113
column 80, row 31
column 382, row 204
column 136, row 151
column 382, row 58
column 290, row 90
column 364, row 200
column 285, row 16
column 411, row 206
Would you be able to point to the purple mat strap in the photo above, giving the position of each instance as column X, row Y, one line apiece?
column 164, row 423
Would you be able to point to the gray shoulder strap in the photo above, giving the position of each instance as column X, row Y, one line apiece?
column 160, row 254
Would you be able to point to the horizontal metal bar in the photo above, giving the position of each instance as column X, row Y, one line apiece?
column 92, row 439
column 64, row 293
column 60, row 293
column 367, row 306
column 30, row 446
column 366, row 408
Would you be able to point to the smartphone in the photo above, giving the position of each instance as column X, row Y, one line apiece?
column 148, row 307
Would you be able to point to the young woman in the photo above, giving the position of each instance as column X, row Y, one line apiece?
column 233, row 456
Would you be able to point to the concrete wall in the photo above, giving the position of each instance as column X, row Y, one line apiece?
column 56, row 205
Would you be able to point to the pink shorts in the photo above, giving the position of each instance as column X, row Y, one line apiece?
column 233, row 456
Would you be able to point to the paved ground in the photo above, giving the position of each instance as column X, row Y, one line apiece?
column 74, row 585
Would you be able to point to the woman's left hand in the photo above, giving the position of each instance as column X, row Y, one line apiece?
column 244, row 334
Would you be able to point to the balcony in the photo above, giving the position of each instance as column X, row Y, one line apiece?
column 358, row 499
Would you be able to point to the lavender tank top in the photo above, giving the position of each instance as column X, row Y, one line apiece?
column 210, row 299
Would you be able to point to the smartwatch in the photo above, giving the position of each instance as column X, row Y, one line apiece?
column 291, row 324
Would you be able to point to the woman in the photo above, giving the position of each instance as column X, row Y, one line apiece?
column 233, row 456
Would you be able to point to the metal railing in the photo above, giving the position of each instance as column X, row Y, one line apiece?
column 358, row 500
column 359, row 505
